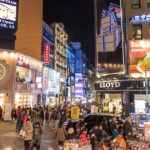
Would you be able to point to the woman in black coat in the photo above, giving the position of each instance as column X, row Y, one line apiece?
column 42, row 115
column 13, row 113
column 105, row 126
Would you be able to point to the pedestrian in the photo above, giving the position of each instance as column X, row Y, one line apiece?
column 61, row 132
column 37, row 136
column 114, row 109
column 94, row 143
column 71, row 134
column 13, row 113
column 18, row 113
column 56, row 118
column 1, row 111
column 47, row 117
column 119, row 139
column 70, row 124
column 28, row 128
column 52, row 119
column 101, row 128
column 105, row 125
column 97, row 132
column 127, row 129
column 33, row 115
column 83, row 136
column 24, row 118
column 123, row 116
column 42, row 115
column 22, row 114
column 113, row 125
column 63, row 113
column 79, row 131
column 81, row 112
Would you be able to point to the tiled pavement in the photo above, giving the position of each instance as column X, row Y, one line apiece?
column 9, row 137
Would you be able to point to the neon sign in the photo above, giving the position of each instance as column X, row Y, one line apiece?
column 46, row 55
column 140, row 18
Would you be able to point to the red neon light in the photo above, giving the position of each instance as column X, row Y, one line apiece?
column 46, row 54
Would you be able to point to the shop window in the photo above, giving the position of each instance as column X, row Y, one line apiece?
column 137, row 32
column 148, row 3
column 135, row 4
column 24, row 75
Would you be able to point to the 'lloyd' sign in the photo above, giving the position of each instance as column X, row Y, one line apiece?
column 109, row 84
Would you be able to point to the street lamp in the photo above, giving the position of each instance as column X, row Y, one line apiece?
column 146, row 88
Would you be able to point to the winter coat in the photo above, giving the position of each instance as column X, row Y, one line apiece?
column 29, row 128
column 22, row 114
column 61, row 132
column 112, row 126
column 47, row 115
column 103, row 132
column 63, row 112
column 69, row 125
column 18, row 112
column 105, row 127
column 39, row 131
column 83, row 137
column 33, row 114
column 52, row 114
column 56, row 116
column 13, row 113
column 42, row 114
column 122, row 141
column 98, row 133
column 127, row 129
column 24, row 119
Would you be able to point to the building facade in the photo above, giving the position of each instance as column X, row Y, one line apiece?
column 60, row 51
column 121, row 80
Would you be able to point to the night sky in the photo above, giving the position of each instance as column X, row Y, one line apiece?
column 78, row 19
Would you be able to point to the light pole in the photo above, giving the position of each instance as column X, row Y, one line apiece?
column 146, row 84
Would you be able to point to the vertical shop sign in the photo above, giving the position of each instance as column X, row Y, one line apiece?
column 68, row 71
column 75, row 113
column 20, row 61
column 46, row 54
column 45, row 79
column 68, row 81
column 58, row 83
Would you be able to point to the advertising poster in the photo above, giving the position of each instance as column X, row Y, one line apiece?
column 52, row 80
column 109, row 36
column 139, row 54
column 8, row 14
column 45, row 78
column 7, row 114
column 75, row 113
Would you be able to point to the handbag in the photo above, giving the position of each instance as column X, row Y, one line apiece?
column 22, row 133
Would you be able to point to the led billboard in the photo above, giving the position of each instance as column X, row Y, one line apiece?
column 109, row 35
column 8, row 14
column 139, row 54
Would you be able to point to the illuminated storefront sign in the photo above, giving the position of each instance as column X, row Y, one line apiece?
column 139, row 54
column 52, row 80
column 46, row 54
column 109, row 84
column 58, row 83
column 45, row 78
column 140, row 18
column 20, row 61
column 68, row 81
column 8, row 14
column 48, row 36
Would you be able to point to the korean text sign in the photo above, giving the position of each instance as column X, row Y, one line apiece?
column 46, row 54
column 74, row 112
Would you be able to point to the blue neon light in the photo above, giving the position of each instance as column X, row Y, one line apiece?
column 140, row 18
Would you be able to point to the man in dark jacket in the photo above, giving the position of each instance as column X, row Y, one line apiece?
column 97, row 132
column 113, row 125
column 70, row 124
column 42, row 115
column 127, row 129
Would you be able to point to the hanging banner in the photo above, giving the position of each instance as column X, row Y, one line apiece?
column 75, row 113
column 46, row 54
column 7, row 115
column 45, row 78
column 58, row 83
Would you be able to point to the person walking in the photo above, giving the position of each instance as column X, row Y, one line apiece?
column 33, row 115
column 61, row 132
column 22, row 115
column 13, row 113
column 52, row 119
column 37, row 136
column 127, row 129
column 105, row 126
column 113, row 125
column 56, row 118
column 42, row 115
column 28, row 128
column 47, row 117
column 18, row 113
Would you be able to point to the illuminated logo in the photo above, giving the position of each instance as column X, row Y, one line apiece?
column 109, row 84
column 140, row 18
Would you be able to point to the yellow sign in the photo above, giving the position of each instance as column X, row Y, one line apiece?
column 74, row 112
column 2, row 71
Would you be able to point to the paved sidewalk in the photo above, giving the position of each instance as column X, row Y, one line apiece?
column 9, row 137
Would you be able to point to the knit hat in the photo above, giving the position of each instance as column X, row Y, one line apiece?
column 70, row 130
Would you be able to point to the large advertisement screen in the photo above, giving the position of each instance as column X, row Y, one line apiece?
column 109, row 35
column 139, row 54
column 8, row 14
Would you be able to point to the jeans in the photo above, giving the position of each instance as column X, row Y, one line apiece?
column 56, row 122
column 52, row 123
column 18, row 124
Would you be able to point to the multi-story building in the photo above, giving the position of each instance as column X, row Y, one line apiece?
column 120, row 67
column 70, row 74
column 60, row 51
